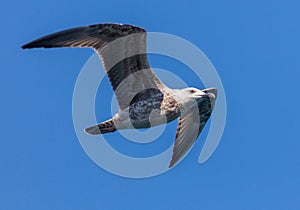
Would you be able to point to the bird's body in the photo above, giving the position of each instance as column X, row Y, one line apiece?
column 148, row 108
column 143, row 99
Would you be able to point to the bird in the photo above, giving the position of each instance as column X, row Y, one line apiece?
column 144, row 100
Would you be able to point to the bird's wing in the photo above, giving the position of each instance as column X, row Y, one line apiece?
column 122, row 49
column 189, row 127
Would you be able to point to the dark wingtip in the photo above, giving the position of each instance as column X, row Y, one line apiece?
column 211, row 90
column 26, row 46
column 74, row 36
column 171, row 165
column 30, row 45
column 35, row 44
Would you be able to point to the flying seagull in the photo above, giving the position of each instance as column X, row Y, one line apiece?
column 144, row 101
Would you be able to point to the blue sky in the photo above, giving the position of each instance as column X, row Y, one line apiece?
column 254, row 46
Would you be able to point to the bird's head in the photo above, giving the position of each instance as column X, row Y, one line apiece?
column 197, row 95
column 192, row 92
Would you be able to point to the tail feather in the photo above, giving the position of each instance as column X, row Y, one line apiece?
column 101, row 128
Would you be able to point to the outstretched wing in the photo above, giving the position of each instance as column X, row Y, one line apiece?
column 122, row 49
column 190, row 126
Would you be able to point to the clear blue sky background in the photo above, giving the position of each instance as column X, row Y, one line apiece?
column 254, row 45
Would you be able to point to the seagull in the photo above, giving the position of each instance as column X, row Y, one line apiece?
column 144, row 100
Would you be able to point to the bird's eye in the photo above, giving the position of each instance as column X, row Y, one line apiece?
column 192, row 91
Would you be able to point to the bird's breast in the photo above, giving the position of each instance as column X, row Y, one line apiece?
column 148, row 109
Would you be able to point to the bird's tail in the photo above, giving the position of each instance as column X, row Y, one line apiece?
column 104, row 127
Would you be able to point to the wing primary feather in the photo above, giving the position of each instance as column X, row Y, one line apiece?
column 84, row 36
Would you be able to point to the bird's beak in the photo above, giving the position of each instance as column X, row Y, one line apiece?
column 199, row 98
column 209, row 93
